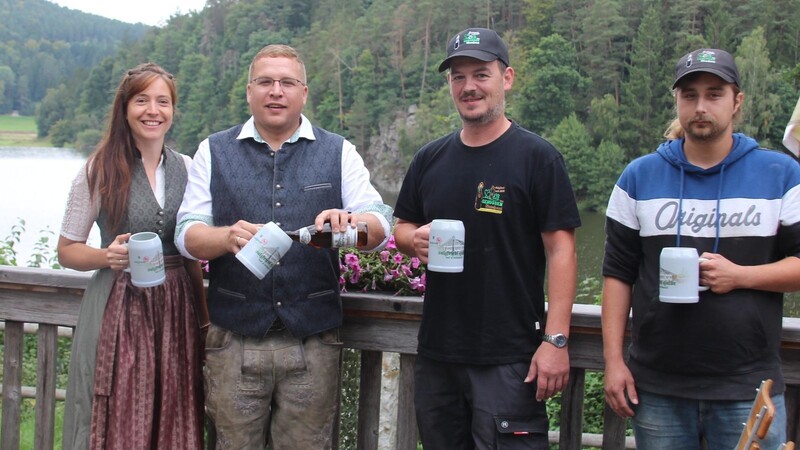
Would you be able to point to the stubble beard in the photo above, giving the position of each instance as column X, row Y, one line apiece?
column 492, row 114
column 709, row 133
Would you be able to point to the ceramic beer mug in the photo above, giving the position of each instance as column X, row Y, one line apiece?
column 679, row 269
column 146, row 259
column 265, row 249
column 446, row 246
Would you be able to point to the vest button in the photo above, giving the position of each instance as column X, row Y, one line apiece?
column 160, row 222
column 160, row 212
column 278, row 304
column 278, row 204
column 278, row 186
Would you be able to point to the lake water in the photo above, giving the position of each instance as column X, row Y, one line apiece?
column 36, row 183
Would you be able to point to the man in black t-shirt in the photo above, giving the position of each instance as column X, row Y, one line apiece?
column 482, row 375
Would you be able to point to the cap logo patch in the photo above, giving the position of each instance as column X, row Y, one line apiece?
column 707, row 57
column 689, row 61
column 457, row 43
column 472, row 37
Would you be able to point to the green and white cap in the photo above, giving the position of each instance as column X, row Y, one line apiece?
column 479, row 43
column 711, row 60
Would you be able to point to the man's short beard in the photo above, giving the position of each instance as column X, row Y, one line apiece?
column 709, row 134
column 488, row 117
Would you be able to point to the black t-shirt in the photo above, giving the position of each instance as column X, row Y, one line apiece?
column 506, row 193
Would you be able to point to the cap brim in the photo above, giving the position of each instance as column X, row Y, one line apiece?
column 477, row 54
column 718, row 73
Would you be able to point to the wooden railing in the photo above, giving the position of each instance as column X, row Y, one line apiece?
column 373, row 324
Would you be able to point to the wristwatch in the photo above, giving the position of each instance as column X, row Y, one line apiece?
column 559, row 339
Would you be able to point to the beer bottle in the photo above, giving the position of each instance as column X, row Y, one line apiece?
column 353, row 237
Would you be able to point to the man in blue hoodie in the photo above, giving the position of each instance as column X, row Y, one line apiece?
column 693, row 368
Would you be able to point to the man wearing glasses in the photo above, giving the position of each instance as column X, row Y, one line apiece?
column 273, row 348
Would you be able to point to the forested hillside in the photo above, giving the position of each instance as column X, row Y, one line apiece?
column 43, row 44
column 593, row 76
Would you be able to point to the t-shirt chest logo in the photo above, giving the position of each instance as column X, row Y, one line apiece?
column 490, row 199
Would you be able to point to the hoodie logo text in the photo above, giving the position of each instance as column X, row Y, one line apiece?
column 667, row 218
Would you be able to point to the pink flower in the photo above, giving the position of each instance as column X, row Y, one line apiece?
column 387, row 270
column 417, row 284
column 351, row 259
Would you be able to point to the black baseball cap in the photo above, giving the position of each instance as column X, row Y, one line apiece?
column 711, row 60
column 478, row 43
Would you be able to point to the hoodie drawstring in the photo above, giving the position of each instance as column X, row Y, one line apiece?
column 719, row 204
column 680, row 209
column 719, row 212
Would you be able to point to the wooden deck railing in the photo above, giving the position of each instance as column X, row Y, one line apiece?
column 373, row 324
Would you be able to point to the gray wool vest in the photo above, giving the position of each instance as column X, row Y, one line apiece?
column 289, row 187
column 144, row 212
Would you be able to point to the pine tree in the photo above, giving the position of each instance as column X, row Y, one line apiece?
column 646, row 103
column 758, row 112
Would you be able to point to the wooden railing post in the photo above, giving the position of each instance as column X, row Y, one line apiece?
column 12, row 385
column 614, row 428
column 46, row 387
column 407, row 434
column 369, row 398
column 571, row 418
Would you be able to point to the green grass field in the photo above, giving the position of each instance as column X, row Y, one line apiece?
column 19, row 131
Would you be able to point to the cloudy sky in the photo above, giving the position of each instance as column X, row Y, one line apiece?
column 150, row 12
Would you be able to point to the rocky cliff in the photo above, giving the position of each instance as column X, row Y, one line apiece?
column 387, row 165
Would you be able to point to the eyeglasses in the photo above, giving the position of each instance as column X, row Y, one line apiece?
column 286, row 83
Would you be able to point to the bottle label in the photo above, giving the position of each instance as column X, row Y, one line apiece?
column 305, row 236
column 347, row 239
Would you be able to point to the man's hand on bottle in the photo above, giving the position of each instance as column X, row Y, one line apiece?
column 339, row 219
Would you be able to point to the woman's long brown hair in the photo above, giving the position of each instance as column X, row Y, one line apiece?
column 109, row 169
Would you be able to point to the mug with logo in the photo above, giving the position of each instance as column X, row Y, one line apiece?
column 679, row 276
column 265, row 249
column 446, row 246
column 146, row 259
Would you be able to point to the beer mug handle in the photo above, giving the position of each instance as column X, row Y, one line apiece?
column 127, row 269
column 702, row 288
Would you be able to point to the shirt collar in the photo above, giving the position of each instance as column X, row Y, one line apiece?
column 304, row 131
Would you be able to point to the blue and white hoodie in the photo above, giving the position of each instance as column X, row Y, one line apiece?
column 746, row 208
